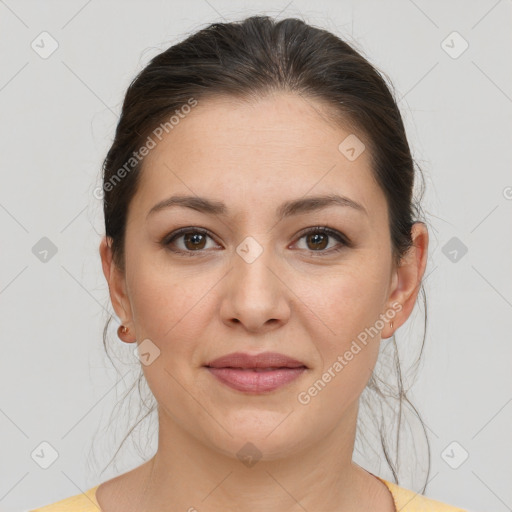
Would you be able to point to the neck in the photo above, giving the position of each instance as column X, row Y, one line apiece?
column 187, row 474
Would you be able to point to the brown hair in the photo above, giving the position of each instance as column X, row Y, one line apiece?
column 248, row 59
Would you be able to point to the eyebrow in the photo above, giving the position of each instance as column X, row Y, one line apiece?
column 287, row 209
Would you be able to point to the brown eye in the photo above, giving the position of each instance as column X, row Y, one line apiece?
column 194, row 241
column 191, row 240
column 317, row 240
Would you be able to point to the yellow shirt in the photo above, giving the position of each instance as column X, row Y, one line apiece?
column 405, row 501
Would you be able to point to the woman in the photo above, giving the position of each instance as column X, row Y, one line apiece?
column 261, row 239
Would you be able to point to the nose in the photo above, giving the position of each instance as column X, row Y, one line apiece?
column 255, row 295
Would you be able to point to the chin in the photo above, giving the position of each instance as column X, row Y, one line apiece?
column 260, row 436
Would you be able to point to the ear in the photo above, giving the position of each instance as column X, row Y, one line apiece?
column 116, row 283
column 406, row 279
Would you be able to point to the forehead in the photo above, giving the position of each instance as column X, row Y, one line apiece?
column 257, row 151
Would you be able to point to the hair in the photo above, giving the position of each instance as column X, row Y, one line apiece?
column 249, row 59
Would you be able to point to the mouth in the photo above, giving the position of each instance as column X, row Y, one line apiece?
column 255, row 374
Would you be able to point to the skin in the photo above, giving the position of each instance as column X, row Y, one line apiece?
column 253, row 156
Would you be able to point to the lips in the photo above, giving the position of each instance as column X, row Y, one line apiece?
column 256, row 374
column 259, row 362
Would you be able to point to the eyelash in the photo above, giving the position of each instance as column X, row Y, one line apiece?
column 343, row 240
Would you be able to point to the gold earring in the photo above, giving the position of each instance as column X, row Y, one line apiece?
column 122, row 329
column 391, row 325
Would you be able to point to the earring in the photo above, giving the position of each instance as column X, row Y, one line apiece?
column 121, row 330
column 391, row 325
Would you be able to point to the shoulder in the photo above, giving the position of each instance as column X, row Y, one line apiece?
column 85, row 502
column 410, row 501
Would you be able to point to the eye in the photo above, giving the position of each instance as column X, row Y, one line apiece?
column 317, row 239
column 193, row 240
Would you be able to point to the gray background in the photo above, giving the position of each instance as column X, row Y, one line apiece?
column 58, row 116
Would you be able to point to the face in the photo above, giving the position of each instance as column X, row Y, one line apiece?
column 253, row 277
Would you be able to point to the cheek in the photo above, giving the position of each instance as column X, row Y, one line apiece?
column 345, row 311
column 348, row 344
column 166, row 301
column 169, row 309
column 348, row 300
